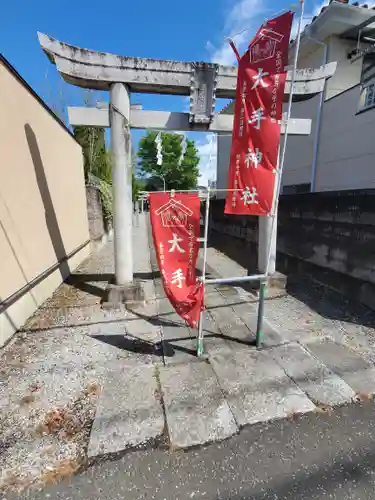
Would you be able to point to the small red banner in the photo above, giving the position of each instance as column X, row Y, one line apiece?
column 175, row 229
column 256, row 128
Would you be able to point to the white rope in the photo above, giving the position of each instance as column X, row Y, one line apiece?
column 292, row 8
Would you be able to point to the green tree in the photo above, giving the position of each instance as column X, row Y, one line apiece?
column 136, row 186
column 177, row 176
column 97, row 164
column 97, row 161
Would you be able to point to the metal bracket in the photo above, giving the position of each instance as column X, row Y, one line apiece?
column 203, row 84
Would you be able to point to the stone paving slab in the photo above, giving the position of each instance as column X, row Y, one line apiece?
column 312, row 376
column 213, row 339
column 228, row 322
column 195, row 408
column 349, row 365
column 257, row 388
column 180, row 351
column 129, row 412
column 249, row 315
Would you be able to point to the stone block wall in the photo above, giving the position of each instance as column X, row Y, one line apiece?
column 95, row 212
column 329, row 235
column 100, row 227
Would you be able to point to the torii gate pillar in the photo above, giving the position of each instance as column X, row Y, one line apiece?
column 203, row 82
column 119, row 113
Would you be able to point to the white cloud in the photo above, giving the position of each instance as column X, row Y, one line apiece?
column 208, row 157
column 242, row 21
column 240, row 26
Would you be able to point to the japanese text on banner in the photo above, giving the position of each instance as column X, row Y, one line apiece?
column 175, row 229
column 258, row 111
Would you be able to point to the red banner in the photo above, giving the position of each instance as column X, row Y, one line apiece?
column 175, row 229
column 256, row 128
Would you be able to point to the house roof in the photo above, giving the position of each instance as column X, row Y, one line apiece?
column 338, row 18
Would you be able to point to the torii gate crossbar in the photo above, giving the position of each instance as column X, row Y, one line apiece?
column 203, row 82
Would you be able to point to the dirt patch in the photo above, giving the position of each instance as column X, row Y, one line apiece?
column 54, row 449
column 61, row 470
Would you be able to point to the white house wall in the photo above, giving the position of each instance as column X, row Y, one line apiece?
column 300, row 149
column 347, row 145
column 347, row 74
column 223, row 156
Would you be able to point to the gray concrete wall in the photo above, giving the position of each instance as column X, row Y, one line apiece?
column 331, row 234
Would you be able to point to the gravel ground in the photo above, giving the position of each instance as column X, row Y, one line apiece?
column 52, row 372
column 50, row 379
column 310, row 310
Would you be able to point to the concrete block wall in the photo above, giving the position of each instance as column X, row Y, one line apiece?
column 331, row 235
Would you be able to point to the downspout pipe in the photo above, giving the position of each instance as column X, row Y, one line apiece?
column 318, row 115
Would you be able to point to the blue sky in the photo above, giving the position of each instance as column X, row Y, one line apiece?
column 166, row 29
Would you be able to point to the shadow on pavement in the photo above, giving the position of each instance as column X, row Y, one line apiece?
column 85, row 283
column 328, row 482
column 131, row 344
column 329, row 303
column 164, row 348
column 323, row 300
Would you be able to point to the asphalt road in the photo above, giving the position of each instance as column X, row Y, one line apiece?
column 316, row 456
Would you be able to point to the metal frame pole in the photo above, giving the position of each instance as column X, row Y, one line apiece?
column 262, row 289
column 200, row 346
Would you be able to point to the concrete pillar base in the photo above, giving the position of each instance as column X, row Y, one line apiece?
column 120, row 295
column 276, row 286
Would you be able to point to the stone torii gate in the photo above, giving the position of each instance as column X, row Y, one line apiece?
column 203, row 82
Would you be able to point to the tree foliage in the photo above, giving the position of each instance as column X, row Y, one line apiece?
column 177, row 176
column 98, row 163
column 97, row 160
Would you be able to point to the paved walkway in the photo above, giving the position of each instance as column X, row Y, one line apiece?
column 80, row 382
column 317, row 456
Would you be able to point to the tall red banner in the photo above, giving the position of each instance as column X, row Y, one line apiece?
column 256, row 128
column 175, row 229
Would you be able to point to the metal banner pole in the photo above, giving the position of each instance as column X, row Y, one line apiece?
column 200, row 347
column 262, row 289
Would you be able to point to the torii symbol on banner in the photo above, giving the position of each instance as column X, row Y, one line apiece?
column 264, row 46
column 174, row 214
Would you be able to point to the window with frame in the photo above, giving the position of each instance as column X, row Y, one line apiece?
column 369, row 96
